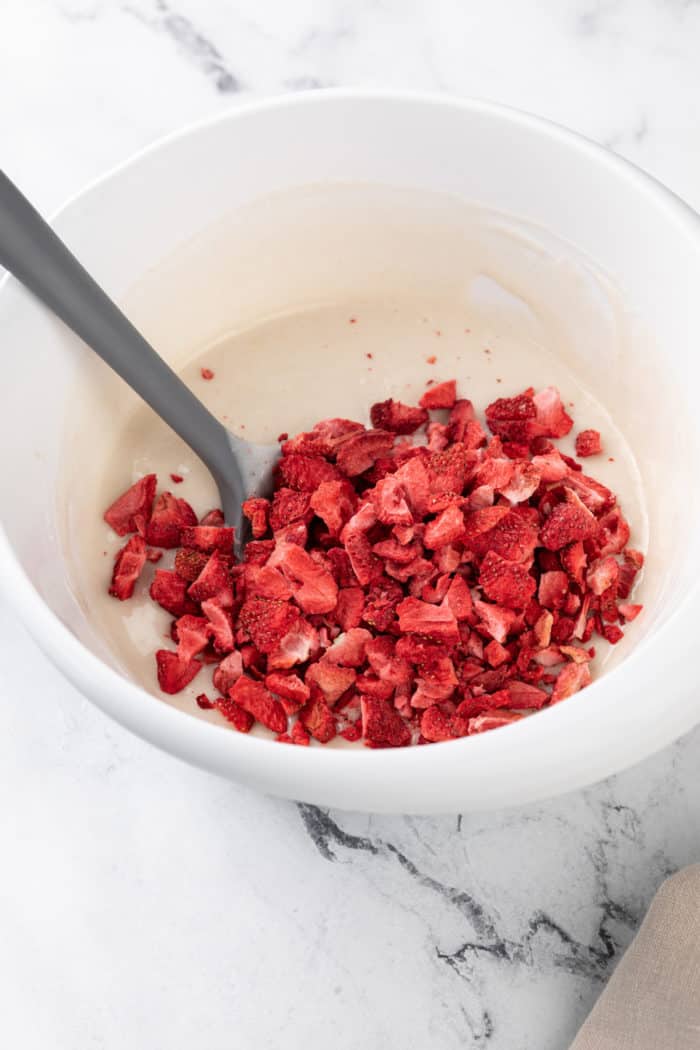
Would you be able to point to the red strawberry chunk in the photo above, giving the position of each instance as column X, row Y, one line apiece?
column 299, row 735
column 318, row 591
column 633, row 563
column 228, row 672
column 297, row 645
column 566, row 524
column 348, row 611
column 613, row 532
column 128, row 565
column 359, row 452
column 290, row 689
column 170, row 590
column 496, row 620
column 442, row 395
column 220, row 625
column 525, row 696
column 334, row 502
column 253, row 697
column 389, row 499
column 263, row 581
column 446, row 528
column 436, row 725
column 382, row 725
column 317, row 719
column 629, row 612
column 192, row 636
column 207, row 538
column 305, row 473
column 173, row 673
column 235, row 714
column 506, row 582
column 189, row 564
column 436, row 622
column 131, row 511
column 569, row 681
column 289, row 506
column 330, row 679
column 588, row 443
column 256, row 511
column 459, row 599
column 348, row 649
column 553, row 589
column 552, row 418
column 396, row 417
column 525, row 480
column 512, row 418
column 492, row 720
column 496, row 654
column 267, row 621
column 169, row 517
column 212, row 580
column 603, row 574
column 574, row 560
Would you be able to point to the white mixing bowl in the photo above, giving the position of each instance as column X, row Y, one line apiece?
column 123, row 227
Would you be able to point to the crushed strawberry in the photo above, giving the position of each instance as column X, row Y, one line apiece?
column 588, row 443
column 394, row 592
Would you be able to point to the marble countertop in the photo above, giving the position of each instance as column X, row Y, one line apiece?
column 146, row 904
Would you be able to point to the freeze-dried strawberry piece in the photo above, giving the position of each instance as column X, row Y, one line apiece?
column 496, row 654
column 479, row 522
column 167, row 520
column 389, row 501
column 496, row 620
column 442, row 395
column 525, row 481
column 576, row 654
column 633, row 563
column 317, row 719
column 290, row 689
column 212, row 580
column 569, row 681
column 128, row 565
column 365, row 564
column 397, row 417
column 253, row 697
column 524, row 696
column 131, row 511
column 613, row 532
column 433, row 621
column 492, row 720
column 553, row 589
column 235, row 714
column 446, row 528
column 299, row 735
column 296, row 647
column 305, row 473
column 574, row 561
column 359, row 452
column 588, row 443
column 189, row 564
column 458, row 598
column 382, row 725
column 448, row 470
column 512, row 417
column 551, row 466
column 629, row 612
column 461, row 415
column 612, row 633
column 257, row 552
column 381, row 602
column 542, row 630
column 335, row 431
column 436, row 725
column 207, row 538
column 392, row 550
column 256, row 511
column 289, row 506
column 566, row 524
column 348, row 649
column 228, row 672
column 335, row 503
column 318, row 592
column 496, row 472
column 312, row 443
column 170, row 590
column 514, row 536
column 413, row 476
column 474, row 705
column 330, row 678
column 506, row 582
column 173, row 673
column 267, row 621
column 221, row 625
column 549, row 656
column 192, row 636
column 213, row 517
column 263, row 581
column 552, row 418
column 602, row 574
column 348, row 611
column 592, row 494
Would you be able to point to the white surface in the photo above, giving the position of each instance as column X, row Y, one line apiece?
column 146, row 904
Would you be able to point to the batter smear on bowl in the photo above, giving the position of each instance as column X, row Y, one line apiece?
column 420, row 580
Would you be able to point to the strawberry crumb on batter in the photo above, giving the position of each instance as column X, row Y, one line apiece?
column 394, row 592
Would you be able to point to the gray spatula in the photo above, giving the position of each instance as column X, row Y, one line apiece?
column 38, row 258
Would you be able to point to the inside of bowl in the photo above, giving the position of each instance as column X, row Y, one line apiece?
column 502, row 299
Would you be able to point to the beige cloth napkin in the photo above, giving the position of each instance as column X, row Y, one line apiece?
column 652, row 1001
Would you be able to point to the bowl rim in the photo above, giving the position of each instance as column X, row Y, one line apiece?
column 205, row 744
